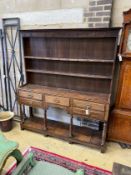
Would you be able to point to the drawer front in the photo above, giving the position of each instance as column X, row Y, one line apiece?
column 36, row 96
column 29, row 102
column 98, row 115
column 25, row 101
column 36, row 103
column 87, row 104
column 25, row 94
column 57, row 100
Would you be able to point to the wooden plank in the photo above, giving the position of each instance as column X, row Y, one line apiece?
column 30, row 102
column 69, row 74
column 93, row 114
column 26, row 94
column 95, row 60
column 91, row 105
column 57, row 100
column 34, row 123
column 72, row 33
column 61, row 130
column 92, row 97
column 37, row 96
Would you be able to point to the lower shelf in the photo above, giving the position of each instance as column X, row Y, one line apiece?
column 34, row 124
column 60, row 130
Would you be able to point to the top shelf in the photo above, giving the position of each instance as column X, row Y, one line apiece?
column 70, row 59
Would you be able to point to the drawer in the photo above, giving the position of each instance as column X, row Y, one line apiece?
column 36, row 103
column 37, row 96
column 25, row 94
column 98, row 115
column 87, row 104
column 30, row 102
column 57, row 100
column 25, row 101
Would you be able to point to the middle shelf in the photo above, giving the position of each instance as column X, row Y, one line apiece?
column 95, row 60
column 69, row 74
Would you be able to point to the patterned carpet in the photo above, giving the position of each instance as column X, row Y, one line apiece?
column 63, row 161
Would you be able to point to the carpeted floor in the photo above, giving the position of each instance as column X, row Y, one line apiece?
column 73, row 165
column 114, row 152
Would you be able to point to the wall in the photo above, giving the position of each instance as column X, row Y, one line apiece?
column 99, row 13
column 31, row 10
column 118, row 7
column 15, row 6
column 96, row 12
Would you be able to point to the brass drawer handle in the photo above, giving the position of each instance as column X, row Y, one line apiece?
column 88, row 110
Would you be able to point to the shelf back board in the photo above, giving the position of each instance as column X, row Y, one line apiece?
column 76, row 59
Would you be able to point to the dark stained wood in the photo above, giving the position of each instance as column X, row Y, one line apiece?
column 71, row 69
column 61, row 130
column 72, row 33
column 120, row 126
column 80, row 95
column 69, row 74
column 69, row 59
column 34, row 124
column 84, row 104
column 96, row 109
column 64, row 82
column 124, row 98
column 68, row 47
column 93, row 114
column 120, row 117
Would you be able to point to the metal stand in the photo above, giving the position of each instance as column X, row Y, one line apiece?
column 12, row 61
column 3, row 86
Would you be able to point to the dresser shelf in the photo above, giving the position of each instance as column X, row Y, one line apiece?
column 70, row 59
column 61, row 130
column 69, row 74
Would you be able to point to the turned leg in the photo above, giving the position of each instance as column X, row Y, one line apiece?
column 22, row 117
column 71, row 126
column 103, row 146
column 45, row 122
column 31, row 111
column 45, row 119
column 71, row 129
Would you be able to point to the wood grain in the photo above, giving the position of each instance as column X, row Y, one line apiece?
column 71, row 69
column 120, row 118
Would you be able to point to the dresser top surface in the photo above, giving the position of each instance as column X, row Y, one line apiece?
column 97, row 97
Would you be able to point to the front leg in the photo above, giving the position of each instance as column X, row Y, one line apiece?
column 103, row 142
column 22, row 117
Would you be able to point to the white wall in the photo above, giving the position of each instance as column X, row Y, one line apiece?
column 13, row 6
column 16, row 6
column 117, row 14
column 59, row 18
